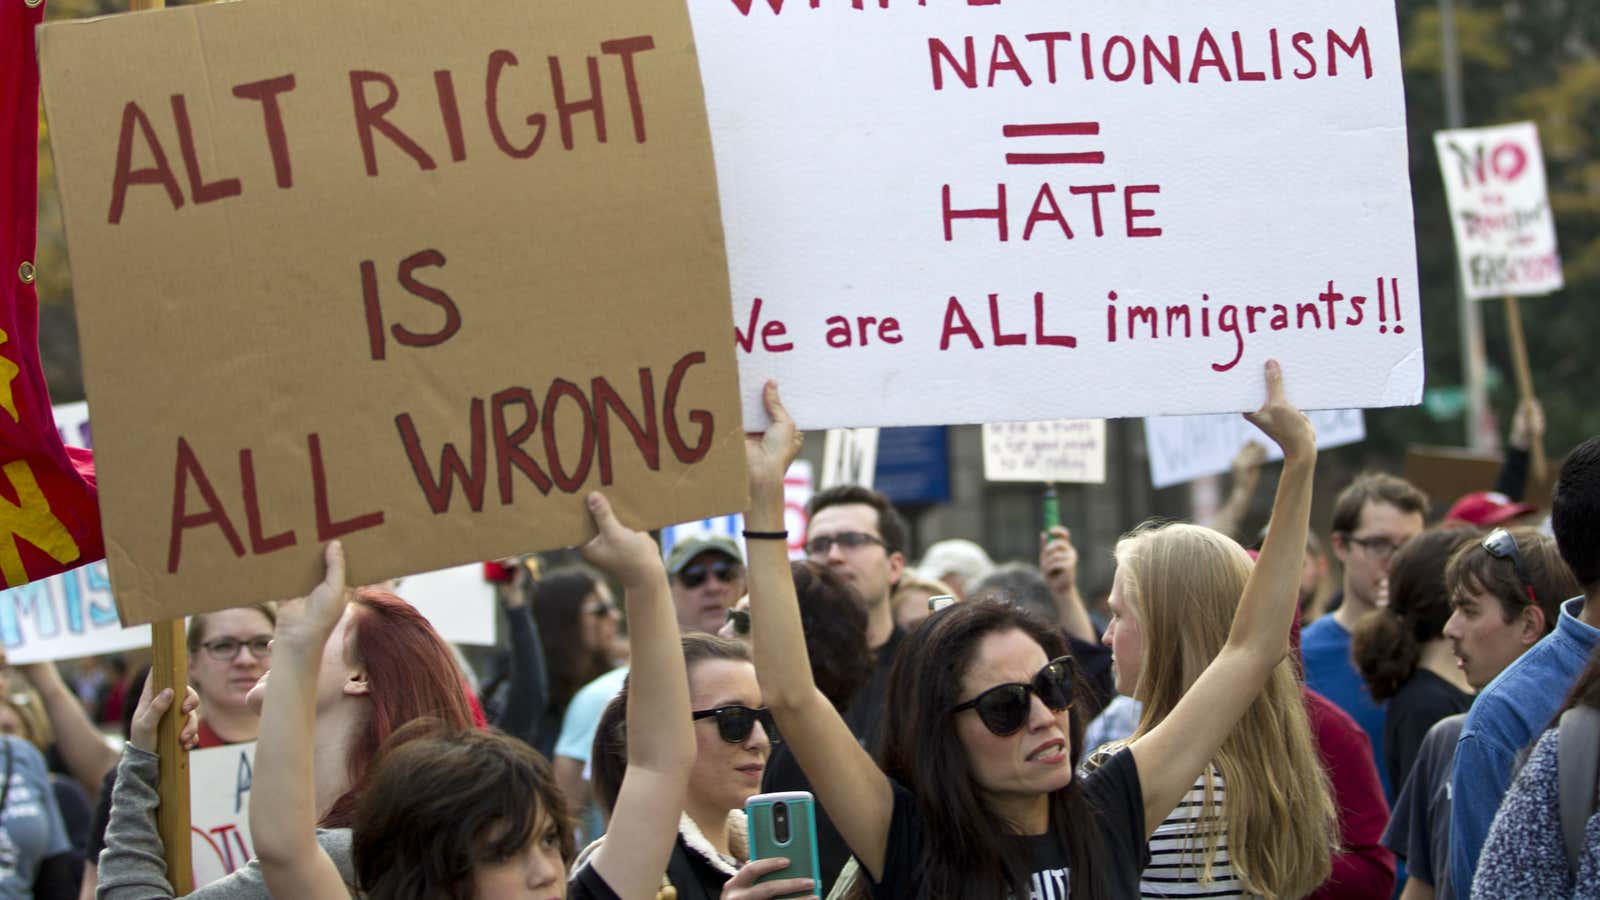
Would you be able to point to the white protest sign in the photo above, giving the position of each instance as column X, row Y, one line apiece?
column 1066, row 450
column 798, row 486
column 219, row 810
column 457, row 601
column 72, row 614
column 949, row 212
column 1500, row 210
column 1183, row 448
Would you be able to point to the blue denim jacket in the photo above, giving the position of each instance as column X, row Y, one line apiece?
column 1507, row 716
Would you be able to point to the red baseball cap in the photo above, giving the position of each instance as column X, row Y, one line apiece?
column 1486, row 509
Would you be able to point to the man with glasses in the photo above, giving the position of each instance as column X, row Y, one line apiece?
column 1372, row 518
column 859, row 535
column 1518, row 705
column 706, row 572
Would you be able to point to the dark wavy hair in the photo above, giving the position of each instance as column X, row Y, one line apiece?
column 834, row 619
column 442, row 801
column 1387, row 643
column 558, row 600
column 966, row 854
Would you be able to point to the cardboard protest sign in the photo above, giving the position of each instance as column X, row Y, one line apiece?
column 1068, row 450
column 374, row 270
column 219, row 810
column 944, row 213
column 1500, row 210
column 1183, row 448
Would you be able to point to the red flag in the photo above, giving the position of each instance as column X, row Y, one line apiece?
column 49, row 514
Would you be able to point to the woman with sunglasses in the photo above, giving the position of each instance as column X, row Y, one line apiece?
column 473, row 815
column 733, row 738
column 977, row 797
column 1175, row 596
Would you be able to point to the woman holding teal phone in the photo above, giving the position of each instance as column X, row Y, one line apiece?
column 978, row 797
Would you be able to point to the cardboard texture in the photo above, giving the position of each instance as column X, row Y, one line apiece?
column 1500, row 210
column 1183, row 448
column 414, row 275
column 862, row 177
column 1446, row 474
column 1067, row 450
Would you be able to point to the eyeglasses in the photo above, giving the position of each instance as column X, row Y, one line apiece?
column 849, row 540
column 600, row 608
column 227, row 649
column 1004, row 708
column 740, row 619
column 1501, row 545
column 734, row 723
column 696, row 575
column 1380, row 548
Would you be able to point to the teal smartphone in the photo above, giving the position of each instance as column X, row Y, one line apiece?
column 785, row 824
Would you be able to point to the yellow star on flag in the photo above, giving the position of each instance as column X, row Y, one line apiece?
column 8, row 373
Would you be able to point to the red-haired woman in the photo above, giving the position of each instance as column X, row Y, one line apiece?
column 384, row 666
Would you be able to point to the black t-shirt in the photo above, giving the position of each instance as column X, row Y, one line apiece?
column 865, row 716
column 586, row 884
column 1419, row 832
column 1094, row 664
column 1118, row 802
column 1424, row 699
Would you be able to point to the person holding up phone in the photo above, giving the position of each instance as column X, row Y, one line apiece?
column 978, row 797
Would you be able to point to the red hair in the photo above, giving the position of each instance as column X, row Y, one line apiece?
column 411, row 674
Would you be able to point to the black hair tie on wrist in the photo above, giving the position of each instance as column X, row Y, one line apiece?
column 766, row 535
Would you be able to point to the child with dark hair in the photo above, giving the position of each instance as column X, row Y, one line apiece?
column 1518, row 704
column 519, row 840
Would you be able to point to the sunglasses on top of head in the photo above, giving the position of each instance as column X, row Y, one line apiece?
column 696, row 575
column 1004, row 708
column 1501, row 545
column 734, row 723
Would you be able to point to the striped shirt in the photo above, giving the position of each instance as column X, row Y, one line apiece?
column 1177, row 849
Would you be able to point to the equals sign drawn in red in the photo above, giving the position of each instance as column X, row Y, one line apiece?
column 1053, row 129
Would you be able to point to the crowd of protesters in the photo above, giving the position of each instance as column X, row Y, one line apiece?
column 1239, row 723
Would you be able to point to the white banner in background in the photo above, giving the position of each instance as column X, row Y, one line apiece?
column 1183, row 448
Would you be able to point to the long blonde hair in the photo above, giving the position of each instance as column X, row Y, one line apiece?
column 1182, row 584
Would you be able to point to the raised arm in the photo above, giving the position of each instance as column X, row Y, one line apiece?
column 661, row 748
column 1171, row 756
column 283, row 817
column 846, row 780
column 1058, row 560
column 84, row 749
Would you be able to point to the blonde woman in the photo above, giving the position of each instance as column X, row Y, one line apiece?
column 1260, row 821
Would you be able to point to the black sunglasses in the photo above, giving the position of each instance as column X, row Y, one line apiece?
column 696, row 575
column 1004, row 708
column 734, row 723
column 1501, row 545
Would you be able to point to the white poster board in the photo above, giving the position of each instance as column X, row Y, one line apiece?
column 1500, row 210
column 219, row 810
column 1065, row 450
column 457, row 601
column 798, row 486
column 1183, row 448
column 953, row 212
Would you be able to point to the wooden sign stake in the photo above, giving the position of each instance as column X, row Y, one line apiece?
column 1519, row 361
column 170, row 669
